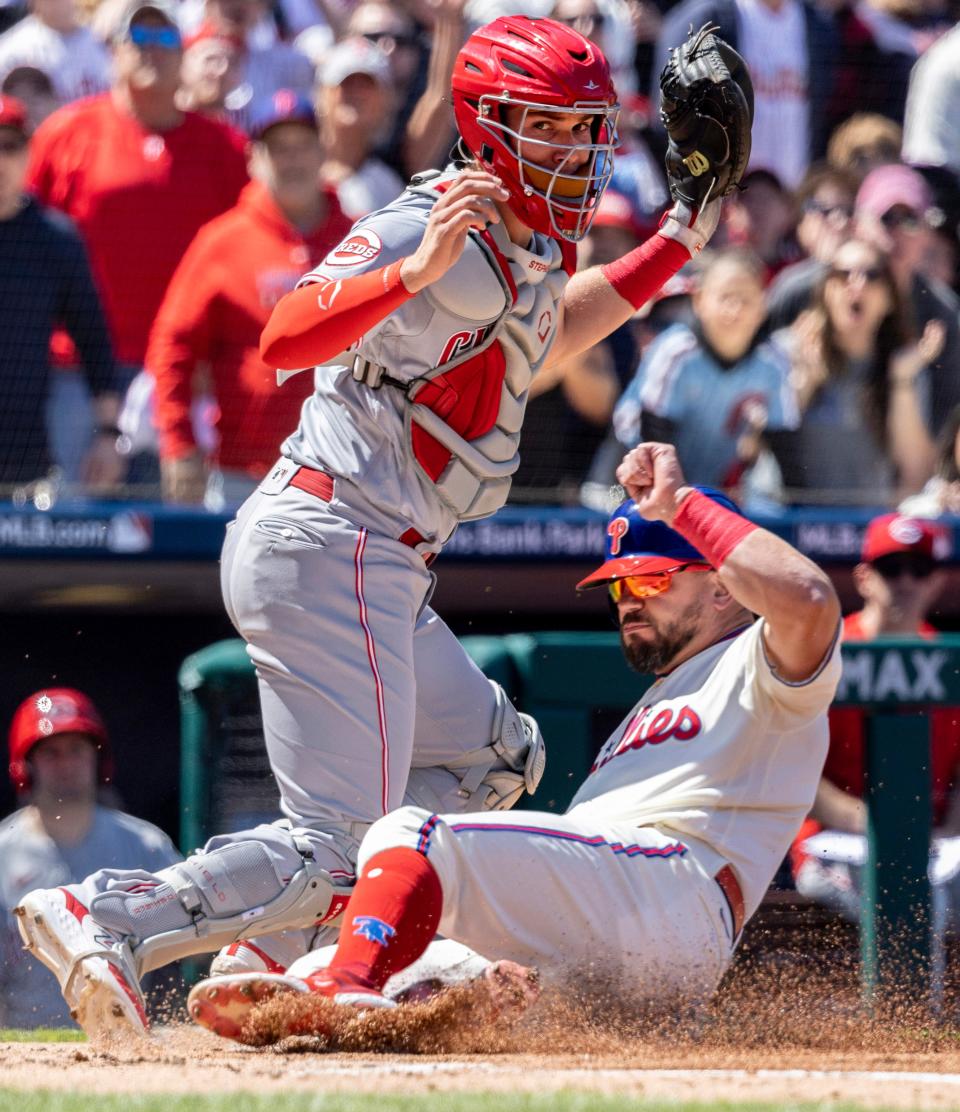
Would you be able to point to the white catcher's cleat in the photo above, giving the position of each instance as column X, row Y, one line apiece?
column 222, row 1004
column 92, row 964
column 243, row 957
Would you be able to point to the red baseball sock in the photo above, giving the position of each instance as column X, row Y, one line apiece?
column 392, row 916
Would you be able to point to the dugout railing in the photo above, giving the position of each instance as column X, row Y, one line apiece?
column 578, row 687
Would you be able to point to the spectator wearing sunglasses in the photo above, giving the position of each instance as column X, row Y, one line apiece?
column 825, row 205
column 420, row 57
column 895, row 209
column 898, row 578
column 139, row 177
column 861, row 378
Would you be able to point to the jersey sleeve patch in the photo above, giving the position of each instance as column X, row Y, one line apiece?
column 361, row 246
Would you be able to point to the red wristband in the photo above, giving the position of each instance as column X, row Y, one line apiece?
column 641, row 272
column 711, row 528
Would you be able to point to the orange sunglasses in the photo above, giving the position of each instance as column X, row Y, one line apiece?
column 647, row 586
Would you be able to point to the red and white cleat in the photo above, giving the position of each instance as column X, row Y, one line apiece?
column 222, row 1004
column 343, row 989
column 93, row 965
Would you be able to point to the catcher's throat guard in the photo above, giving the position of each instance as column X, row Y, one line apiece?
column 707, row 111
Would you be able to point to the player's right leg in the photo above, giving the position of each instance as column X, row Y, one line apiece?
column 597, row 907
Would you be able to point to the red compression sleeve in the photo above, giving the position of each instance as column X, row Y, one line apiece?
column 323, row 318
column 641, row 272
column 391, row 918
column 711, row 528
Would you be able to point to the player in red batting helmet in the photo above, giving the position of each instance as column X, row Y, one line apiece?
column 538, row 66
column 48, row 713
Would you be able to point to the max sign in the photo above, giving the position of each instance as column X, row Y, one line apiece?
column 904, row 675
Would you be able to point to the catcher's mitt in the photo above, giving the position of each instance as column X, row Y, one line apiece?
column 707, row 109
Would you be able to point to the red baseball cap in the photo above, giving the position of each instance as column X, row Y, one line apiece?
column 13, row 114
column 892, row 533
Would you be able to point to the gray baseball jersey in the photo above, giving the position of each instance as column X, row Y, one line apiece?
column 491, row 320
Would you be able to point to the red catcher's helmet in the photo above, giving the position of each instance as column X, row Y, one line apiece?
column 541, row 66
column 55, row 710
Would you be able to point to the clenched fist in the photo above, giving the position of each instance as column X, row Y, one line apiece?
column 652, row 476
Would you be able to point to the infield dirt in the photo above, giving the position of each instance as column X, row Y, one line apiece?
column 782, row 1034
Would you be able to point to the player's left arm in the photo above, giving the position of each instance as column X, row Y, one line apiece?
column 598, row 300
column 763, row 573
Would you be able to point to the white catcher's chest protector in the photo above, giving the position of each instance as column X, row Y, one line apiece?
column 426, row 409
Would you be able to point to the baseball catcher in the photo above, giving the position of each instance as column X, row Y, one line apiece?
column 707, row 109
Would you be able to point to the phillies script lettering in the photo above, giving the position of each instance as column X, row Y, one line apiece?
column 649, row 728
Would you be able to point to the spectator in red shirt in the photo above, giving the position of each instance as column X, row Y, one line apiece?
column 220, row 298
column 137, row 175
column 899, row 580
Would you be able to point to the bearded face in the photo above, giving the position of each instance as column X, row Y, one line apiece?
column 651, row 643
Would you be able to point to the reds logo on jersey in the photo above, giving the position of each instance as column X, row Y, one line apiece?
column 460, row 342
column 360, row 247
column 647, row 728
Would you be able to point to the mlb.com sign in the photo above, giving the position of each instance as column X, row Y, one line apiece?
column 901, row 672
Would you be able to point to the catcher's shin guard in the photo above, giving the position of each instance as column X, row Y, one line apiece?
column 214, row 898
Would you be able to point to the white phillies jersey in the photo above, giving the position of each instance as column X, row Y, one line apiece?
column 394, row 470
column 77, row 63
column 723, row 753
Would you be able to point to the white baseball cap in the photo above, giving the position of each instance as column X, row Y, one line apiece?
column 356, row 55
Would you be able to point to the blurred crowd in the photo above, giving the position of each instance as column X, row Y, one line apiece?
column 170, row 168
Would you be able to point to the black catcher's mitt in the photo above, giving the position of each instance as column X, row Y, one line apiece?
column 707, row 109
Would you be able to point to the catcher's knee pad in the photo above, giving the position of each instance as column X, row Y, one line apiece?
column 491, row 777
column 236, row 887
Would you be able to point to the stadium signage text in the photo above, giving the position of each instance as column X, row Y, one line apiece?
column 906, row 675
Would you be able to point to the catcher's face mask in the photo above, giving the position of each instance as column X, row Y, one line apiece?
column 538, row 66
column 572, row 187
